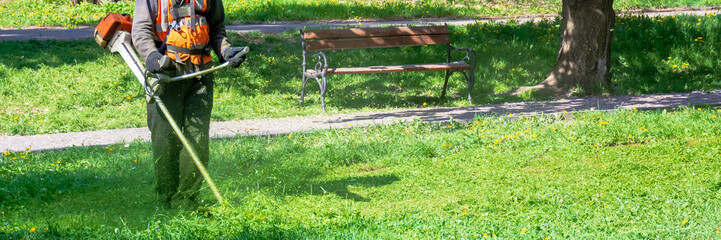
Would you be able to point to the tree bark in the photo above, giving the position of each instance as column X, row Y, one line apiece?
column 582, row 64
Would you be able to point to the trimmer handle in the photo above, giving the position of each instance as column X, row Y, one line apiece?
column 166, row 78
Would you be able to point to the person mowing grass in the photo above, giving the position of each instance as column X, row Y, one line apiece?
column 175, row 37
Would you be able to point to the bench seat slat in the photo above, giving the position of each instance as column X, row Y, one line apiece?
column 373, row 32
column 359, row 43
column 398, row 68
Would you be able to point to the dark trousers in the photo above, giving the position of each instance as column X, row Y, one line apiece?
column 190, row 103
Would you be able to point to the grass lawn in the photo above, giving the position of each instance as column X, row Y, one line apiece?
column 625, row 174
column 17, row 14
column 51, row 86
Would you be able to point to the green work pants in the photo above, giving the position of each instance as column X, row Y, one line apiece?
column 190, row 103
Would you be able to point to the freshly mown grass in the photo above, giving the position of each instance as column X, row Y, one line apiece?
column 18, row 14
column 52, row 86
column 625, row 174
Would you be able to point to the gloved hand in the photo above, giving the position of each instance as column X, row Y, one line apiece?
column 235, row 55
column 156, row 85
column 157, row 62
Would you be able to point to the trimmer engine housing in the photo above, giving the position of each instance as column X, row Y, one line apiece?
column 111, row 24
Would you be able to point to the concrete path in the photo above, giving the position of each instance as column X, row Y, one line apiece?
column 87, row 32
column 323, row 122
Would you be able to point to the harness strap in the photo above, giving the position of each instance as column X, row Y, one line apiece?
column 192, row 14
column 194, row 51
column 164, row 15
column 184, row 11
column 199, row 21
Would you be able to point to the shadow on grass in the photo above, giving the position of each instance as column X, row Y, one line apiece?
column 283, row 166
column 509, row 56
column 341, row 187
column 82, row 190
column 650, row 55
column 36, row 54
column 293, row 11
column 664, row 55
column 97, row 191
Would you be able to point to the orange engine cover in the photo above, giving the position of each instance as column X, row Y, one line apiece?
column 112, row 23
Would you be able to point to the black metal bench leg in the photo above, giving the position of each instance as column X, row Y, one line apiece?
column 302, row 89
column 471, row 81
column 323, row 84
column 445, row 84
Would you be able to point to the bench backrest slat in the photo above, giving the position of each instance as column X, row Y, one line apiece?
column 356, row 38
column 373, row 32
column 376, row 42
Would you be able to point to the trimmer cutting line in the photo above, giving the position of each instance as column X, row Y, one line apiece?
column 113, row 34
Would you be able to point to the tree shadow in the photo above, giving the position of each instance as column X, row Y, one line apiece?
column 665, row 54
column 34, row 54
column 67, row 196
column 514, row 55
column 273, row 11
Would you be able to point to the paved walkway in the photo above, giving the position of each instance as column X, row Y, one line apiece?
column 87, row 32
column 323, row 122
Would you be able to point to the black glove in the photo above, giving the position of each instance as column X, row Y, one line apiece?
column 235, row 55
column 156, row 62
column 156, row 86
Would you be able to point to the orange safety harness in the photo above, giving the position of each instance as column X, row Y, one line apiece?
column 184, row 33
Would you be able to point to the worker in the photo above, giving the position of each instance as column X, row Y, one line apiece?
column 175, row 37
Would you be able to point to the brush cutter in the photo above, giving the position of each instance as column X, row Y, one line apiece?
column 113, row 34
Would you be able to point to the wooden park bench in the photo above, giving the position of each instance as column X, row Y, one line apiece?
column 360, row 38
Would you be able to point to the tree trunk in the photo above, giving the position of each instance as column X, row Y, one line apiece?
column 583, row 59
